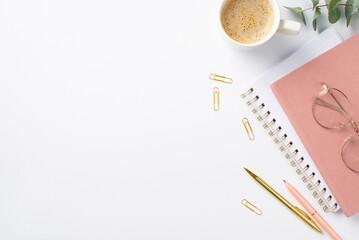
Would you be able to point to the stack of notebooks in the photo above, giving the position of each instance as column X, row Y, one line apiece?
column 282, row 100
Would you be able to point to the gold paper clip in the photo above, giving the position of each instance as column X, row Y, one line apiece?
column 220, row 78
column 248, row 128
column 215, row 99
column 251, row 207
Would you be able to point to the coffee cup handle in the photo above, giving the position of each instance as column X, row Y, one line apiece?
column 287, row 27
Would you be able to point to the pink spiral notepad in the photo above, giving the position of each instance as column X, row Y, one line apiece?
column 338, row 68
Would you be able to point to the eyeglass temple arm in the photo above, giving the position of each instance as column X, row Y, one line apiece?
column 343, row 110
column 328, row 105
column 325, row 104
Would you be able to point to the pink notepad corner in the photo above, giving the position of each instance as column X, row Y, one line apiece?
column 338, row 68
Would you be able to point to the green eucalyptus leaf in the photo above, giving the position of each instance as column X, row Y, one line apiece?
column 317, row 13
column 350, row 10
column 333, row 15
column 295, row 9
column 333, row 11
column 298, row 10
column 303, row 18
column 328, row 1
column 315, row 3
column 333, row 3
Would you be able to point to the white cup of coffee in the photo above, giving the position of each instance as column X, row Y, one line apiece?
column 250, row 23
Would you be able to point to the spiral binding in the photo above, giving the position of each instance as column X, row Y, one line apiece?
column 316, row 194
column 293, row 155
column 327, row 209
column 272, row 133
column 297, row 162
column 314, row 186
column 255, row 110
column 321, row 202
column 307, row 179
column 286, row 147
column 281, row 139
column 267, row 125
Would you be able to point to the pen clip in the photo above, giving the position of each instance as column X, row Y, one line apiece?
column 309, row 219
column 306, row 215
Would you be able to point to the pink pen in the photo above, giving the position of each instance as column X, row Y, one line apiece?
column 312, row 211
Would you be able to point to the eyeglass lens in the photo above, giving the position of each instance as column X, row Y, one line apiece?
column 332, row 109
column 350, row 153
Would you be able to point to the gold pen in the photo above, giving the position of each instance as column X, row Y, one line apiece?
column 294, row 209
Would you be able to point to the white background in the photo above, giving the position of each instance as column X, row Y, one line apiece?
column 107, row 129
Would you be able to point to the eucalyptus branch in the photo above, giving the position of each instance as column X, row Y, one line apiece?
column 326, row 5
column 351, row 7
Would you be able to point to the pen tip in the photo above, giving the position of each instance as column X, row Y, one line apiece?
column 284, row 181
column 249, row 172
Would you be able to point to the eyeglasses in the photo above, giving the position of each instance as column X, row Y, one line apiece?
column 332, row 110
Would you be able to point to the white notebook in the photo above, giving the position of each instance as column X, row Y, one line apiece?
column 262, row 102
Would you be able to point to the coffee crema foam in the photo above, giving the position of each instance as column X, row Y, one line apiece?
column 247, row 21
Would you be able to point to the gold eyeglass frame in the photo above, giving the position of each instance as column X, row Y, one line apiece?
column 344, row 112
